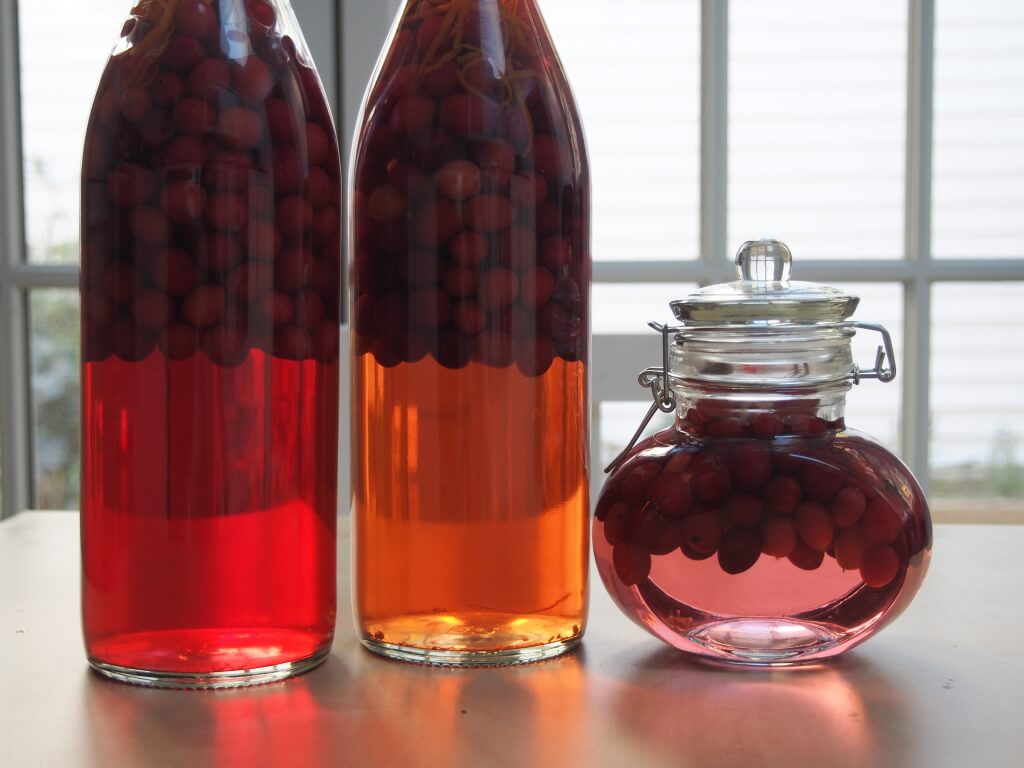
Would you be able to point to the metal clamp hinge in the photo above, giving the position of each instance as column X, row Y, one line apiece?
column 885, row 358
column 656, row 380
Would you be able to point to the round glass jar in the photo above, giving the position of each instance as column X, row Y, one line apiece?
column 759, row 529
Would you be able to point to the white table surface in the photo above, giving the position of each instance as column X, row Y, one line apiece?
column 943, row 686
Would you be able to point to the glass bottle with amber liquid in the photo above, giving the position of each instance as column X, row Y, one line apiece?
column 470, row 235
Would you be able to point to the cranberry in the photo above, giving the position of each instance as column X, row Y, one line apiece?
column 809, row 426
column 488, row 213
column 182, row 201
column 294, row 215
column 632, row 565
column 204, row 306
column 497, row 289
column 850, row 546
column 253, row 81
column 209, row 79
column 182, row 54
column 805, row 558
column 174, row 271
column 225, row 346
column 130, row 185
column 130, row 342
column 495, row 348
column 740, row 550
column 430, row 307
column 497, row 161
column 135, row 104
column 196, row 18
column 293, row 268
column 656, row 533
column 150, row 225
column 469, row 116
column 412, row 115
column 781, row 495
column 711, row 483
column 152, row 310
column 615, row 523
column 441, row 80
column 743, row 509
column 536, row 356
column 551, row 158
column 671, row 493
column 326, row 225
column 458, row 180
column 814, row 525
column 786, row 463
column 634, row 482
column 848, row 507
column 240, row 127
column 386, row 204
column 766, row 426
column 428, row 36
column 437, row 223
column 879, row 566
column 318, row 188
column 556, row 253
column 778, row 537
column 538, row 284
column 178, row 341
column 229, row 171
column 702, row 533
column 548, row 219
column 468, row 248
column 250, row 280
column 881, row 523
column 460, row 282
column 99, row 310
column 318, row 144
column 820, row 483
column 749, row 464
column 194, row 117
column 408, row 179
column 262, row 240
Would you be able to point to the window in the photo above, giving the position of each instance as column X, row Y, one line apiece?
column 883, row 141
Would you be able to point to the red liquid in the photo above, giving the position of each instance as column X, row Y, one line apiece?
column 786, row 549
column 208, row 526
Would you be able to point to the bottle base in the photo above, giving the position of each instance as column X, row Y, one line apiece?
column 767, row 642
column 210, row 680
column 471, row 658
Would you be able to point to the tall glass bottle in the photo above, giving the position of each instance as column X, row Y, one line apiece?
column 210, row 319
column 470, row 267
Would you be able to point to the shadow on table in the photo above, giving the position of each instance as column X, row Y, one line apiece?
column 849, row 712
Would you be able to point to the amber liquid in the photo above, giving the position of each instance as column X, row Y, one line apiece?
column 471, row 502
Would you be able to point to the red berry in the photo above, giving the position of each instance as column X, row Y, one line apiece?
column 488, row 213
column 537, row 288
column 850, row 547
column 460, row 282
column 678, row 461
column 441, row 80
column 227, row 211
column 781, row 496
column 556, row 253
column 179, row 341
column 468, row 248
column 209, row 79
column 386, row 204
column 656, row 533
column 632, row 565
column 805, row 558
column 204, row 306
column 670, row 492
column 412, row 115
column 740, row 550
column 814, row 525
column 809, row 426
column 253, row 80
column 635, row 479
column 251, row 280
column 194, row 116
column 766, row 426
column 294, row 215
column 430, row 307
column 495, row 348
column 174, row 271
column 820, row 483
column 196, row 18
column 152, row 310
column 229, row 171
column 880, row 522
column 497, row 160
column 469, row 318
column 848, row 507
column 743, row 509
column 135, row 104
column 225, row 346
column 750, row 464
column 293, row 268
column 130, row 185
column 711, row 484
column 182, row 54
column 293, row 343
column 497, row 289
column 437, row 223
column 527, row 190
column 319, row 187
column 615, row 523
column 727, row 427
column 318, row 144
column 702, row 532
column 536, row 356
column 458, row 179
column 551, row 158
column 281, row 119
column 182, row 201
column 778, row 537
column 879, row 566
column 469, row 116
column 240, row 127
column 150, row 226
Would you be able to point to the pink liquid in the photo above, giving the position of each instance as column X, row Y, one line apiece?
column 208, row 512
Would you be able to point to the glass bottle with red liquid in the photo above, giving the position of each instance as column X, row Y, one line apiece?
column 759, row 529
column 470, row 230
column 210, row 342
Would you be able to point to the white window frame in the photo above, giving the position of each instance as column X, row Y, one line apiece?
column 346, row 40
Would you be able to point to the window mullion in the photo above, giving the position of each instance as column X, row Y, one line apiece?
column 714, row 141
column 917, row 327
column 14, row 392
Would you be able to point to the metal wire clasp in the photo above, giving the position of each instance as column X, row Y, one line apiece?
column 656, row 380
column 881, row 371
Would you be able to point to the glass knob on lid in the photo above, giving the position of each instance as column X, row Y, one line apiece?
column 765, row 294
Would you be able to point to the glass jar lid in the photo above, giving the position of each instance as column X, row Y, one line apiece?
column 764, row 294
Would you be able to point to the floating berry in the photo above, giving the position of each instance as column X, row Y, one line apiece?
column 740, row 550
column 204, row 306
column 458, row 179
column 879, row 566
column 820, row 483
column 750, row 464
column 778, row 537
column 702, row 532
column 670, row 492
column 881, row 524
column 743, row 509
column 632, row 565
column 814, row 526
column 766, row 426
column 637, row 479
column 711, row 483
column 178, row 341
column 468, row 249
column 781, row 495
column 848, row 507
column 805, row 558
column 615, row 523
column 850, row 546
